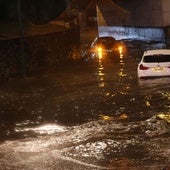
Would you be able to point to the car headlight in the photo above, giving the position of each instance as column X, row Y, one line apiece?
column 99, row 49
column 99, row 52
column 120, row 48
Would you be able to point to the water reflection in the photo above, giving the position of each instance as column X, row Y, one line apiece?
column 122, row 66
column 164, row 116
column 154, row 82
column 117, row 117
column 43, row 129
column 154, row 91
column 101, row 74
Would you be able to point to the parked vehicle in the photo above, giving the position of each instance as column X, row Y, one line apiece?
column 154, row 63
column 107, row 47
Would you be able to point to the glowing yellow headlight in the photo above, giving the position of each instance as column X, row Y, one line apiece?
column 99, row 52
column 99, row 49
column 120, row 48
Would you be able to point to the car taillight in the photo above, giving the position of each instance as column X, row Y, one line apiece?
column 142, row 67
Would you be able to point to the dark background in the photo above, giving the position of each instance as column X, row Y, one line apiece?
column 37, row 11
column 42, row 11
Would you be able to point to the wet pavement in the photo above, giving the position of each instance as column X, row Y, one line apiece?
column 94, row 115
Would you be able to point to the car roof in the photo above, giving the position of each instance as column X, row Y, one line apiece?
column 106, row 37
column 157, row 52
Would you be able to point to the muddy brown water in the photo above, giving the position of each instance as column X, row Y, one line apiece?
column 88, row 116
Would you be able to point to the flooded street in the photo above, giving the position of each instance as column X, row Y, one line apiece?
column 88, row 116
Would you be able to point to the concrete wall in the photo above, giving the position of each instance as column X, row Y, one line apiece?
column 145, row 12
column 148, row 21
column 139, row 33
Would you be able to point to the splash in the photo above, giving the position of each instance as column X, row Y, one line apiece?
column 44, row 129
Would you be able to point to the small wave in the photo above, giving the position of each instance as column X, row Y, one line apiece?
column 43, row 129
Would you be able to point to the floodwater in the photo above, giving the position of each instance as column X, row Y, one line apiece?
column 89, row 116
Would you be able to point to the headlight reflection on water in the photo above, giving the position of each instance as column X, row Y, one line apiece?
column 101, row 74
column 121, row 117
column 43, row 129
column 164, row 116
column 122, row 66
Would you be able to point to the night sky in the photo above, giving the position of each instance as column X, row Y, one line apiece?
column 32, row 9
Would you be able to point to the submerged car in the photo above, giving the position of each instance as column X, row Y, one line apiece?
column 107, row 47
column 154, row 63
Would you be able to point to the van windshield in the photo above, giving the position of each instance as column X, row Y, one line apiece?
column 156, row 58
